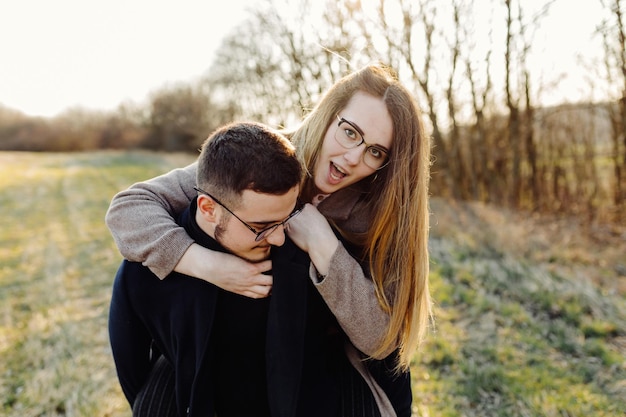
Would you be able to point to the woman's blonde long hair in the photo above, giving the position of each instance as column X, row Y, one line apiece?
column 396, row 244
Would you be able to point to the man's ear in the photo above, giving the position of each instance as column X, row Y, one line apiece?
column 207, row 208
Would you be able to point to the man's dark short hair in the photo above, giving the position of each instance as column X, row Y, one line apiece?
column 247, row 156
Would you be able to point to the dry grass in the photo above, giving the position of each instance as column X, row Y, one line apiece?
column 531, row 316
column 57, row 261
column 595, row 252
column 531, row 312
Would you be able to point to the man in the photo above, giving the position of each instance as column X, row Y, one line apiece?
column 232, row 355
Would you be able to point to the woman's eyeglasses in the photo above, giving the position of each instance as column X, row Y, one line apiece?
column 350, row 136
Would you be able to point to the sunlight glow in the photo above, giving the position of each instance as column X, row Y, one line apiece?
column 97, row 55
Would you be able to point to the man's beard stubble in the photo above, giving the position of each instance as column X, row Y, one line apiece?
column 220, row 231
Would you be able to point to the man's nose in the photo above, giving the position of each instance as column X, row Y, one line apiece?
column 277, row 237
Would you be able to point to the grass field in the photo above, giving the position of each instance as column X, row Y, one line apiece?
column 531, row 312
column 57, row 262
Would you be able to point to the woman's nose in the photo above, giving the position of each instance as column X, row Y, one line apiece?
column 353, row 156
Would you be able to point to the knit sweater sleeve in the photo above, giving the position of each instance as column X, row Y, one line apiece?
column 142, row 220
column 350, row 295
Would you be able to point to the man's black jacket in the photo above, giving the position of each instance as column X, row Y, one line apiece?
column 176, row 314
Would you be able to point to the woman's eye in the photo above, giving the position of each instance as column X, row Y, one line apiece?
column 352, row 135
column 376, row 153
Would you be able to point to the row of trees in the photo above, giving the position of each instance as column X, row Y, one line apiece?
column 175, row 118
column 480, row 94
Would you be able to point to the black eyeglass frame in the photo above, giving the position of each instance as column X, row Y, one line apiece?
column 367, row 145
column 262, row 234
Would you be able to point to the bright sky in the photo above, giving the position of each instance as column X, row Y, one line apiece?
column 55, row 54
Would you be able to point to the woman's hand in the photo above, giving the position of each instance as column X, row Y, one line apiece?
column 312, row 233
column 227, row 271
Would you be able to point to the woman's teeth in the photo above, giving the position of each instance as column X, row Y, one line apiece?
column 335, row 172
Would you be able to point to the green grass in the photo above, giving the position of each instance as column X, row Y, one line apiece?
column 57, row 262
column 515, row 338
column 527, row 324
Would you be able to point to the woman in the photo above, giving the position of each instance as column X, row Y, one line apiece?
column 367, row 159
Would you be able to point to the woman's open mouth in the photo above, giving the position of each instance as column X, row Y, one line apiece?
column 335, row 173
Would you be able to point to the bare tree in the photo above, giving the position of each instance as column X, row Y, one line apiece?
column 512, row 103
column 418, row 27
column 246, row 77
column 519, row 35
column 614, row 40
column 125, row 128
column 480, row 143
column 276, row 66
column 178, row 118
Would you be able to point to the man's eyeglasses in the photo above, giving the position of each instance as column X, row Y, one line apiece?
column 262, row 234
column 350, row 136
